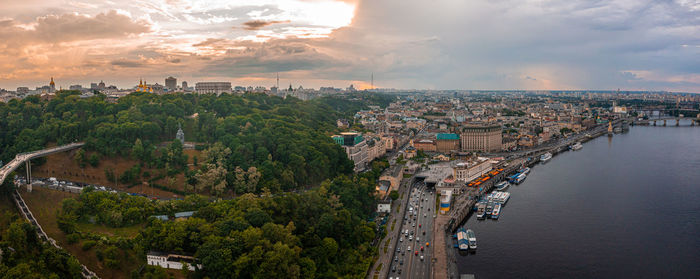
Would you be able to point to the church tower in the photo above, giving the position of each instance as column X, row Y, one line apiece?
column 52, row 85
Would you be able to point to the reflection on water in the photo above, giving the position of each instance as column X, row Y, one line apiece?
column 628, row 207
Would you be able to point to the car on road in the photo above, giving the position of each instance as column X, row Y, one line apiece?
column 393, row 268
column 416, row 253
column 421, row 257
column 409, row 248
column 401, row 239
column 396, row 258
column 417, row 239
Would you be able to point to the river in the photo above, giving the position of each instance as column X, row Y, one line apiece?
column 621, row 207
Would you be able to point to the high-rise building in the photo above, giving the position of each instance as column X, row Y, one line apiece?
column 171, row 83
column 212, row 87
column 481, row 137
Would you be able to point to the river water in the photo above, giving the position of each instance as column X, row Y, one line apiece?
column 625, row 207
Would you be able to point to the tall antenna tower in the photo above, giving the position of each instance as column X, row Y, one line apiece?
column 372, row 82
column 278, row 81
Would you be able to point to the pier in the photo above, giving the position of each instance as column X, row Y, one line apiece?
column 445, row 225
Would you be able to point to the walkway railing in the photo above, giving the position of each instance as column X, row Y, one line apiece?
column 27, row 214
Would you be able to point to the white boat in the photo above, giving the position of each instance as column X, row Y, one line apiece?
column 502, row 185
column 505, row 197
column 525, row 170
column 576, row 146
column 546, row 157
column 496, row 211
column 472, row 239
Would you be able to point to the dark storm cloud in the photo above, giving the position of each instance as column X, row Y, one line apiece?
column 257, row 24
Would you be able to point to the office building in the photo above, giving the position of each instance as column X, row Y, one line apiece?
column 171, row 84
column 355, row 147
column 481, row 137
column 212, row 87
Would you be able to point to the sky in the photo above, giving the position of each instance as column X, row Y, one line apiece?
column 405, row 44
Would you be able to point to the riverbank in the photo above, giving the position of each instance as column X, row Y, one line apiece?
column 446, row 261
column 620, row 207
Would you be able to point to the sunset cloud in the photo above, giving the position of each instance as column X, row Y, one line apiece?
column 509, row 44
column 257, row 24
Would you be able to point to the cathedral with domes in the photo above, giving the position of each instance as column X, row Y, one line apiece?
column 143, row 87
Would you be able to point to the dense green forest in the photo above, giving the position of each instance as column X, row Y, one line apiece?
column 251, row 144
column 319, row 233
column 253, row 141
column 24, row 255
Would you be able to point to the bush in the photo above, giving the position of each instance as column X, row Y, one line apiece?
column 94, row 160
column 394, row 195
column 88, row 244
column 66, row 223
column 73, row 238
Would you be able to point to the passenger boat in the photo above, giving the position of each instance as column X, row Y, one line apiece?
column 472, row 239
column 496, row 211
column 502, row 185
column 489, row 208
column 546, row 157
column 481, row 210
column 576, row 146
column 462, row 239
column 504, row 198
column 520, row 178
column 524, row 170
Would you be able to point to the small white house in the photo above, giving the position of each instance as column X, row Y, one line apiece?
column 171, row 261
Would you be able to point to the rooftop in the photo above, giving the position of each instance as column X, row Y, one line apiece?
column 447, row 136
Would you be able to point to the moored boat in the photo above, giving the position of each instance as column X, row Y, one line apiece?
column 504, row 198
column 472, row 239
column 462, row 239
column 502, row 185
column 489, row 208
column 546, row 157
column 496, row 211
column 576, row 146
column 481, row 210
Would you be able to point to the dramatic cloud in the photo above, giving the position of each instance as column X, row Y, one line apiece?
column 257, row 24
column 508, row 44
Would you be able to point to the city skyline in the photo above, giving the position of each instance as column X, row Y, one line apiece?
column 527, row 45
